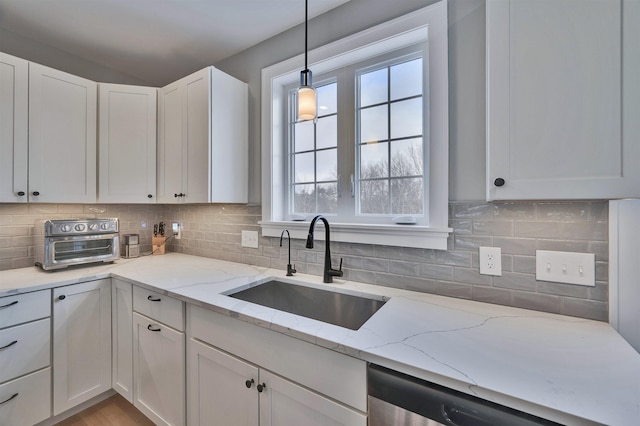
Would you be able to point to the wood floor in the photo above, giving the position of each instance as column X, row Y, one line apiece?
column 113, row 411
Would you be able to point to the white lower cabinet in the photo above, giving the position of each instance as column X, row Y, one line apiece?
column 27, row 400
column 159, row 371
column 81, row 343
column 222, row 388
column 122, row 338
column 259, row 377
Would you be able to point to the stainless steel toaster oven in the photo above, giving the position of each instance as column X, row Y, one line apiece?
column 60, row 243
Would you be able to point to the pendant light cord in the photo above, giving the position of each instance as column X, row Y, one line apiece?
column 306, row 6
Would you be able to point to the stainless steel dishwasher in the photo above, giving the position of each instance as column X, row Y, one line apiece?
column 396, row 399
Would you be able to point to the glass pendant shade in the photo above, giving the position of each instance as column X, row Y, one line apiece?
column 306, row 97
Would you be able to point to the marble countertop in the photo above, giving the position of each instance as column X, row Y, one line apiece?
column 566, row 369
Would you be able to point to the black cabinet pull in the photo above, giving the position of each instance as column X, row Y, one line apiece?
column 21, row 193
column 249, row 383
column 10, row 344
column 151, row 299
column 499, row 182
column 35, row 193
column 149, row 327
column 10, row 398
column 15, row 302
column 149, row 196
column 261, row 387
column 62, row 297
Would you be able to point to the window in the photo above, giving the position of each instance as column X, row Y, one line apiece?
column 379, row 147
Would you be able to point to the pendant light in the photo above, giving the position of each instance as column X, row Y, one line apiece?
column 306, row 92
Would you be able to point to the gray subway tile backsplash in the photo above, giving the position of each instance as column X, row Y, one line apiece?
column 518, row 228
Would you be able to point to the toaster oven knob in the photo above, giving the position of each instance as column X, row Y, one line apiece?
column 65, row 228
column 93, row 226
column 79, row 227
column 104, row 226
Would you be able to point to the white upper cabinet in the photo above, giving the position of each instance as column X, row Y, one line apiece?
column 62, row 136
column 14, row 90
column 202, row 139
column 563, row 99
column 126, row 143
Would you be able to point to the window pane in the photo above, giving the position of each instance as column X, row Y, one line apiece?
column 406, row 118
column 406, row 196
column 374, row 124
column 303, row 166
column 374, row 160
column 303, row 136
column 406, row 79
column 327, row 198
column 327, row 103
column 373, row 87
column 304, row 199
column 327, row 132
column 406, row 157
column 374, row 196
column 327, row 163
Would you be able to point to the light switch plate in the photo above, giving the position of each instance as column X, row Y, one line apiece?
column 250, row 239
column 566, row 267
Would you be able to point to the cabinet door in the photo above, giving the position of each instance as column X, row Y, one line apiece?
column 81, row 343
column 122, row 343
column 14, row 81
column 170, row 131
column 62, row 137
column 159, row 371
column 285, row 403
column 221, row 388
column 229, row 139
column 127, row 144
column 555, row 111
column 196, row 152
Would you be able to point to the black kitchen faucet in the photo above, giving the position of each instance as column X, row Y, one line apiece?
column 329, row 272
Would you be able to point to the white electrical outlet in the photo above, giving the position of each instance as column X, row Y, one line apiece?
column 491, row 261
column 250, row 239
column 566, row 267
column 176, row 228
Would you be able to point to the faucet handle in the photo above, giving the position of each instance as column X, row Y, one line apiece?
column 340, row 267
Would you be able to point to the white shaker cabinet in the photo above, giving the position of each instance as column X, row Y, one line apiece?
column 62, row 136
column 159, row 357
column 122, row 337
column 126, row 143
column 203, row 139
column 14, row 119
column 563, row 99
column 81, row 343
column 253, row 370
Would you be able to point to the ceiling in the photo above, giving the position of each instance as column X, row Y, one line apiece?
column 163, row 38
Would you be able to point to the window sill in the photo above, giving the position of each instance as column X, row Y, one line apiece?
column 385, row 235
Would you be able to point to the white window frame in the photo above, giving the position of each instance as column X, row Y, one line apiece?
column 427, row 24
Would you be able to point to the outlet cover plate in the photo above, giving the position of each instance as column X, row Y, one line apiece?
column 250, row 239
column 566, row 267
column 490, row 261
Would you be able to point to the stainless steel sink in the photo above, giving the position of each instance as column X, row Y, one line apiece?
column 341, row 309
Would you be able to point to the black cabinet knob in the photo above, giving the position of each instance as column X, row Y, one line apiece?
column 21, row 193
column 499, row 182
column 62, row 297
column 249, row 383
column 261, row 387
column 149, row 196
column 35, row 193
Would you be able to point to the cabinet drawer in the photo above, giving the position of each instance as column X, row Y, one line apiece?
column 336, row 375
column 24, row 307
column 27, row 400
column 161, row 308
column 24, row 348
